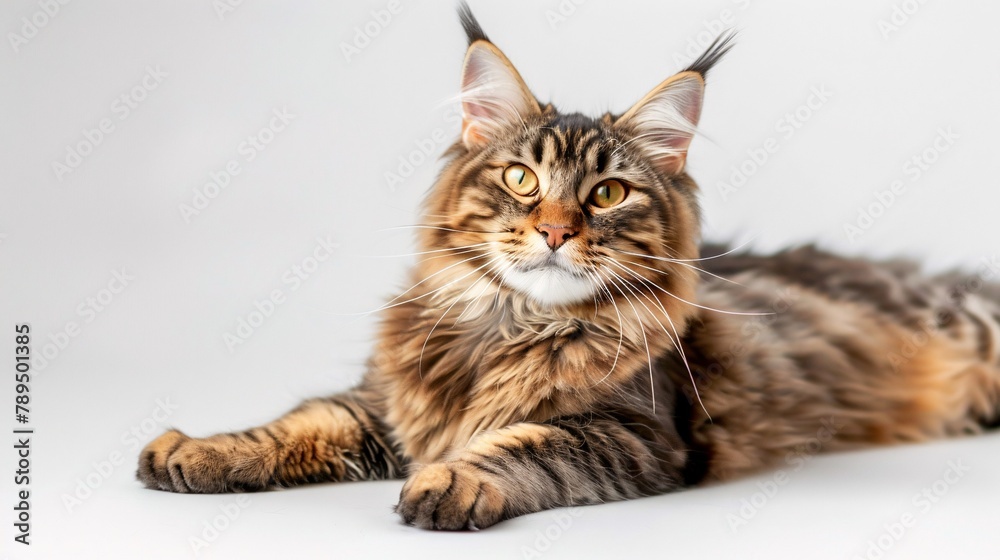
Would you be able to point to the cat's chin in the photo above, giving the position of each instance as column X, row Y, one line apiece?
column 550, row 285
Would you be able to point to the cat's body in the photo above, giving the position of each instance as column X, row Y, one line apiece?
column 562, row 342
column 791, row 346
column 853, row 354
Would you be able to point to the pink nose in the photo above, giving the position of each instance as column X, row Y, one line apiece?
column 555, row 236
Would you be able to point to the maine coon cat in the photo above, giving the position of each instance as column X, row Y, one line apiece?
column 566, row 341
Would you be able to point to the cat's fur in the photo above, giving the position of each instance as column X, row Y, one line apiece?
column 512, row 378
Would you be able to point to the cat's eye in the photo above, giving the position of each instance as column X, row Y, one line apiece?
column 520, row 179
column 608, row 193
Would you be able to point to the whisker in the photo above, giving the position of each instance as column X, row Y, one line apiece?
column 642, row 329
column 390, row 304
column 621, row 327
column 496, row 299
column 457, row 253
column 425, row 226
column 501, row 267
column 676, row 340
column 418, row 253
column 639, row 292
column 729, row 252
column 706, row 308
column 420, row 360
column 597, row 305
column 672, row 261
column 699, row 306
column 489, row 272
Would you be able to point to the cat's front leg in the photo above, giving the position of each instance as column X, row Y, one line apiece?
column 322, row 440
column 529, row 467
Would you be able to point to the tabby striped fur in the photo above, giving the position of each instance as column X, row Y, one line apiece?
column 498, row 390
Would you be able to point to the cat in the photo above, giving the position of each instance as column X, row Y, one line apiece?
column 567, row 341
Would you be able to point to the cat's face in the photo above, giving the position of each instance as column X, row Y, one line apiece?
column 551, row 205
column 563, row 198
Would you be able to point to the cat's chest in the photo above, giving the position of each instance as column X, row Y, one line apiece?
column 475, row 375
column 480, row 376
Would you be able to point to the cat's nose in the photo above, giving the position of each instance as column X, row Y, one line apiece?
column 555, row 236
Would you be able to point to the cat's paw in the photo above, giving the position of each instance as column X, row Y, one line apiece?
column 177, row 463
column 450, row 496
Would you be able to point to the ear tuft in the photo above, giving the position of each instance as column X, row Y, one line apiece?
column 473, row 31
column 663, row 122
column 494, row 97
column 713, row 54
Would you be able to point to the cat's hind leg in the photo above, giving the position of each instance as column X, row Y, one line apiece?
column 323, row 440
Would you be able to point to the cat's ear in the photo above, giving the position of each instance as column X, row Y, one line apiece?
column 664, row 121
column 493, row 94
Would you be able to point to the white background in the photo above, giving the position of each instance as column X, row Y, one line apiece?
column 61, row 238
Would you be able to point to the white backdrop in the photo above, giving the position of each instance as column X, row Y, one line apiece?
column 170, row 168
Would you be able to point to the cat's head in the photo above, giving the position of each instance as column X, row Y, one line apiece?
column 565, row 208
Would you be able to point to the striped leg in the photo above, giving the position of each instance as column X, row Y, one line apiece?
column 529, row 467
column 322, row 440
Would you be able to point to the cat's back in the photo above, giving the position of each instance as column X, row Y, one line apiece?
column 897, row 289
column 802, row 342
